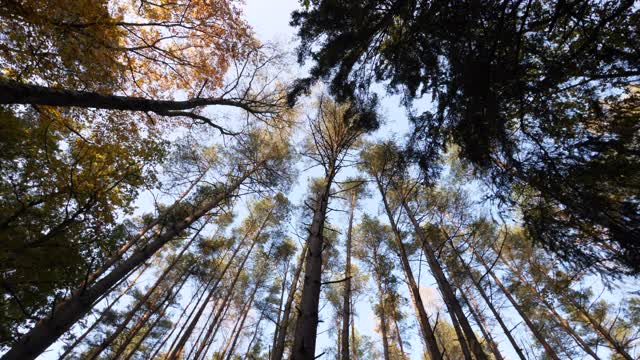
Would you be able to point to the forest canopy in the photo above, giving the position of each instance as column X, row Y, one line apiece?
column 430, row 180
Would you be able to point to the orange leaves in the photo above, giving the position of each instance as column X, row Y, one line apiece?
column 141, row 47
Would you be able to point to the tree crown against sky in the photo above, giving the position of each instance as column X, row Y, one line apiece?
column 540, row 96
column 153, row 166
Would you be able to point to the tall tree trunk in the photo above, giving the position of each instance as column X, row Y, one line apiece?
column 70, row 310
column 280, row 302
column 423, row 319
column 383, row 310
column 476, row 313
column 304, row 344
column 171, row 295
column 550, row 308
column 278, row 350
column 551, row 353
column 123, row 325
column 459, row 334
column 354, row 348
column 448, row 295
column 102, row 315
column 346, row 301
column 400, row 344
column 195, row 320
column 489, row 303
column 245, row 313
column 254, row 336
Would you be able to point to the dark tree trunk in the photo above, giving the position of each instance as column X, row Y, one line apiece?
column 383, row 310
column 305, row 335
column 476, row 313
column 423, row 319
column 278, row 350
column 447, row 292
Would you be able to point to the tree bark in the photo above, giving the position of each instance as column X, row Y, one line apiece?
column 123, row 325
column 305, row 335
column 162, row 307
column 548, row 349
column 187, row 334
column 278, row 350
column 423, row 319
column 474, row 309
column 280, row 302
column 244, row 314
column 448, row 295
column 346, row 301
column 494, row 311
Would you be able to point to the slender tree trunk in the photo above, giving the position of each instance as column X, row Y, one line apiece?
column 474, row 309
column 383, row 311
column 605, row 333
column 102, row 315
column 280, row 302
column 123, row 325
column 70, row 310
column 448, row 295
column 187, row 320
column 551, row 353
column 489, row 303
column 278, row 350
column 195, row 320
column 354, row 348
column 550, row 309
column 254, row 336
column 244, row 318
column 305, row 335
column 399, row 338
column 423, row 319
column 459, row 334
column 346, row 301
column 172, row 294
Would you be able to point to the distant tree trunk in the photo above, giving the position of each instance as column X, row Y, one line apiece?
column 399, row 337
column 474, row 309
column 304, row 344
column 280, row 302
column 245, row 313
column 172, row 294
column 278, row 350
column 123, row 325
column 346, row 301
column 186, row 336
column 550, row 308
column 423, row 319
column 383, row 312
column 548, row 349
column 354, row 348
column 447, row 292
column 102, row 315
column 70, row 310
column 254, row 336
